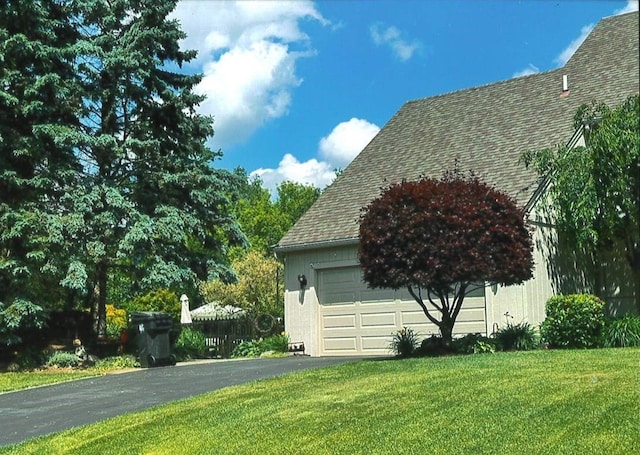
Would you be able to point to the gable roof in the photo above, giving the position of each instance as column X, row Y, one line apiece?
column 485, row 128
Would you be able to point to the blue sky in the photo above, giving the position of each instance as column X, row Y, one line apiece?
column 297, row 88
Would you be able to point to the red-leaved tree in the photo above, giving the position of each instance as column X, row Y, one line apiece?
column 442, row 239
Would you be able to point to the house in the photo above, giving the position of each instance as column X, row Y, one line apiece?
column 486, row 129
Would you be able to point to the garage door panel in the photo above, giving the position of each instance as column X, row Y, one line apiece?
column 344, row 344
column 378, row 320
column 346, row 321
column 375, row 343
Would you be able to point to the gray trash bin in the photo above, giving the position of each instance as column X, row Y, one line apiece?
column 152, row 337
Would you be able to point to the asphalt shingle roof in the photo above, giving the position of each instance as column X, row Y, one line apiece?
column 485, row 128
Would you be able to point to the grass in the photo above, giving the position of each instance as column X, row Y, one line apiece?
column 538, row 402
column 24, row 380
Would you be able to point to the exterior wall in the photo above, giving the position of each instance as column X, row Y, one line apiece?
column 524, row 302
column 301, row 306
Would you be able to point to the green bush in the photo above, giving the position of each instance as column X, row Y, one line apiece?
column 117, row 363
column 63, row 359
column 190, row 344
column 255, row 348
column 275, row 343
column 433, row 346
column 161, row 300
column 404, row 342
column 573, row 321
column 474, row 343
column 517, row 337
column 622, row 332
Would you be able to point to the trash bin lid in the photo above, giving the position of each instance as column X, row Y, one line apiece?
column 138, row 317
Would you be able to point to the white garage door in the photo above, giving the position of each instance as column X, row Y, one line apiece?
column 357, row 320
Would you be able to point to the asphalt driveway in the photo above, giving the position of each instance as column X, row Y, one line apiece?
column 39, row 411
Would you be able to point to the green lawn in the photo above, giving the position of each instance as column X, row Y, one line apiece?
column 24, row 380
column 540, row 402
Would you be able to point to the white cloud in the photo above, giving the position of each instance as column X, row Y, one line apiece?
column 632, row 5
column 247, row 51
column 337, row 149
column 530, row 69
column 311, row 172
column 346, row 140
column 392, row 37
column 566, row 54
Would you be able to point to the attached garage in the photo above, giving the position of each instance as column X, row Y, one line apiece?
column 356, row 320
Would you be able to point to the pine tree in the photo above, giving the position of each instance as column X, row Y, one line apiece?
column 147, row 201
column 37, row 112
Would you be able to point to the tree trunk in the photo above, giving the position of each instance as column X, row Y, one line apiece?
column 101, row 310
column 446, row 329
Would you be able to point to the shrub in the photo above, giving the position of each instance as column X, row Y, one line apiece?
column 18, row 316
column 433, row 346
column 161, row 300
column 517, row 337
column 63, row 359
column 474, row 343
column 190, row 344
column 255, row 348
column 404, row 342
column 247, row 349
column 275, row 343
column 622, row 332
column 116, row 321
column 573, row 321
column 117, row 363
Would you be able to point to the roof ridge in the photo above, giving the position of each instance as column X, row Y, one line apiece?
column 488, row 84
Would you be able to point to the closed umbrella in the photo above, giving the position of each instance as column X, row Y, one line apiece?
column 185, row 315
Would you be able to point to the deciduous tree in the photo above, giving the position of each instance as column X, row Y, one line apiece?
column 595, row 190
column 441, row 239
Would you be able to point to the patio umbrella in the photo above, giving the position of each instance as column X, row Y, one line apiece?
column 185, row 315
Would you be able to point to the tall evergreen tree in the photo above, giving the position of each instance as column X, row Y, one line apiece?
column 37, row 111
column 146, row 200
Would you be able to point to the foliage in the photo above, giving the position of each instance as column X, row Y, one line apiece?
column 21, row 315
column 190, row 344
column 116, row 321
column 474, row 343
column 104, row 165
column 622, row 332
column 404, row 342
column 62, row 359
column 294, row 199
column 255, row 348
column 439, row 237
column 573, row 321
column 260, row 279
column 539, row 402
column 264, row 220
column 120, row 362
column 36, row 80
column 161, row 300
column 595, row 190
column 434, row 346
column 517, row 337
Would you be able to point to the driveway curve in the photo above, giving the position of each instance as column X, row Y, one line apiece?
column 43, row 410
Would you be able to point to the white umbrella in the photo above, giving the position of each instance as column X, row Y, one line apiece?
column 185, row 315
